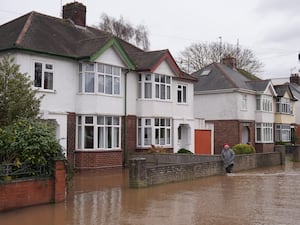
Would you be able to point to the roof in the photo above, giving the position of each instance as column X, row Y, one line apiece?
column 282, row 89
column 45, row 34
column 217, row 76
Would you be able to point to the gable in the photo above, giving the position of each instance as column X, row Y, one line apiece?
column 111, row 57
column 270, row 90
column 164, row 68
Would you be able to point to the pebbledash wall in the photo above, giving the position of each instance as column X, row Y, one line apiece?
column 151, row 169
column 35, row 191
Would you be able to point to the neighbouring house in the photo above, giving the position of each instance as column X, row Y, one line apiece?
column 108, row 97
column 293, row 83
column 241, row 106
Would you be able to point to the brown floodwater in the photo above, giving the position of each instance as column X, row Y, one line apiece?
column 267, row 196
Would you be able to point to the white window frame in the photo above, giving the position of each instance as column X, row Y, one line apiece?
column 284, row 106
column 47, row 69
column 182, row 93
column 155, row 86
column 244, row 102
column 264, row 103
column 104, row 79
column 154, row 131
column 283, row 132
column 264, row 132
column 108, row 126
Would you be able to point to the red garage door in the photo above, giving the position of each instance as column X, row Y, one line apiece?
column 203, row 142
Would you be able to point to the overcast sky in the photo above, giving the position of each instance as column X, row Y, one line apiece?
column 271, row 28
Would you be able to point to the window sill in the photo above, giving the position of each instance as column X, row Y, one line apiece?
column 45, row 90
column 98, row 150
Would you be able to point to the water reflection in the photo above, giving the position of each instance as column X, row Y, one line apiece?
column 264, row 196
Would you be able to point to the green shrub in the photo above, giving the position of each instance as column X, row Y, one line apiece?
column 243, row 149
column 30, row 141
column 184, row 151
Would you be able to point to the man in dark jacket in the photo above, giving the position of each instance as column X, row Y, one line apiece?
column 227, row 155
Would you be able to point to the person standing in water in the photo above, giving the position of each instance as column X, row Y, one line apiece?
column 227, row 155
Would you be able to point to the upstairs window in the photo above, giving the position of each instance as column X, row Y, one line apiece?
column 264, row 103
column 154, row 86
column 99, row 78
column 244, row 102
column 43, row 75
column 181, row 93
column 284, row 105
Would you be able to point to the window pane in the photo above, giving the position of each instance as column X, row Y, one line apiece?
column 108, row 84
column 79, row 137
column 89, row 67
column 163, row 91
column 101, row 83
column 89, row 137
column 157, row 136
column 89, row 82
column 49, row 66
column 156, row 90
column 147, row 121
column 100, row 137
column 79, row 119
column 100, row 68
column 116, row 137
column 108, row 137
column 89, row 120
column 48, row 80
column 100, row 120
column 108, row 69
column 162, row 136
column 179, row 98
column 147, row 136
column 168, row 92
column 168, row 137
column 140, row 136
column 184, row 94
column 38, row 74
column 108, row 120
column 116, row 85
column 148, row 90
column 116, row 120
column 80, row 82
column 116, row 71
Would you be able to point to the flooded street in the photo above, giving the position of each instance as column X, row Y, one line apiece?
column 266, row 196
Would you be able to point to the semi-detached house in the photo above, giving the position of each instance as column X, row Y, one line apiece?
column 242, row 107
column 108, row 97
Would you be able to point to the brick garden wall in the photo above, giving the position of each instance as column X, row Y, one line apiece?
column 172, row 167
column 29, row 192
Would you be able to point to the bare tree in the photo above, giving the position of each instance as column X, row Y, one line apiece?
column 124, row 30
column 199, row 55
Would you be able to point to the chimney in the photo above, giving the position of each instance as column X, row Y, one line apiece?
column 294, row 78
column 75, row 11
column 229, row 61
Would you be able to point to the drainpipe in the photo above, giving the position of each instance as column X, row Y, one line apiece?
column 125, row 121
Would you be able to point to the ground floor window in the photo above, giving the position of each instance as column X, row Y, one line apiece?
column 154, row 131
column 282, row 132
column 98, row 132
column 264, row 132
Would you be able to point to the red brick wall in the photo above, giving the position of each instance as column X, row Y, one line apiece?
column 263, row 147
column 130, row 138
column 230, row 131
column 71, row 138
column 18, row 194
column 98, row 159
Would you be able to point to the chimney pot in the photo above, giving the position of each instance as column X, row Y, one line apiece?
column 294, row 78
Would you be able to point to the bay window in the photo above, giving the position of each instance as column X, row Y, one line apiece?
column 264, row 132
column 154, row 86
column 99, row 78
column 284, row 105
column 156, row 131
column 283, row 132
column 98, row 132
column 264, row 103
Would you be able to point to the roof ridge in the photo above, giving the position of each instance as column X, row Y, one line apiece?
column 25, row 28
